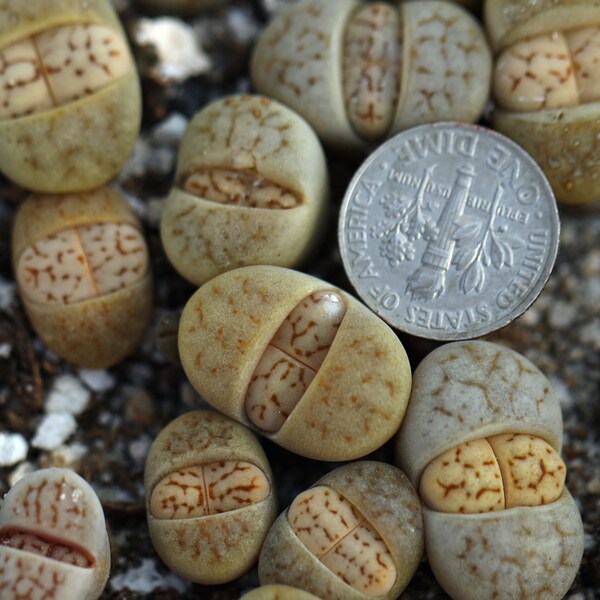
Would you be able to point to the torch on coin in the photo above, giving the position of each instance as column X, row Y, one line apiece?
column 449, row 231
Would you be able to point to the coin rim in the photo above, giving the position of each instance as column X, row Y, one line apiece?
column 527, row 300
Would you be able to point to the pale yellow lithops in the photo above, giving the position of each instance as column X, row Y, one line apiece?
column 482, row 440
column 277, row 591
column 53, row 539
column 70, row 105
column 296, row 359
column 210, row 497
column 361, row 72
column 355, row 534
column 546, row 85
column 251, row 188
column 82, row 269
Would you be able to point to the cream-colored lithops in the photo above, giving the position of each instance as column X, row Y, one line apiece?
column 295, row 358
column 356, row 534
column 82, row 270
column 251, row 188
column 547, row 88
column 70, row 104
column 278, row 592
column 362, row 72
column 53, row 539
column 482, row 439
column 210, row 497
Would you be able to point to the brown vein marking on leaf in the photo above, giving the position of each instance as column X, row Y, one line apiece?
column 494, row 363
column 483, row 388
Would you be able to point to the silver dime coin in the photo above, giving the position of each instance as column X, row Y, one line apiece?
column 449, row 231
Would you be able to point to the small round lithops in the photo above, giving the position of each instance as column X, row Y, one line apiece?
column 82, row 270
column 278, row 592
column 361, row 72
column 481, row 440
column 210, row 497
column 296, row 359
column 357, row 533
column 547, row 88
column 251, row 188
column 53, row 539
column 70, row 104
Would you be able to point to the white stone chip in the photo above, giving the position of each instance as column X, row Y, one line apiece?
column 13, row 449
column 68, row 395
column 170, row 130
column 5, row 350
column 19, row 472
column 145, row 579
column 54, row 429
column 98, row 380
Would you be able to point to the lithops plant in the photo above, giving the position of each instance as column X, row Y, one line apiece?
column 251, row 188
column 53, row 539
column 296, row 359
column 82, row 270
column 547, row 88
column 360, row 72
column 70, row 104
column 481, row 440
column 278, row 592
column 210, row 497
column 355, row 534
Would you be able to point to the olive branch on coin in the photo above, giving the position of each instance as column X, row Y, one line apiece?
column 406, row 222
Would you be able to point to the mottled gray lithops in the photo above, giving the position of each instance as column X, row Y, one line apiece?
column 482, row 441
column 362, row 72
column 547, row 88
column 296, row 359
column 53, row 539
column 278, row 592
column 355, row 534
column 210, row 497
column 251, row 188
column 70, row 105
column 82, row 269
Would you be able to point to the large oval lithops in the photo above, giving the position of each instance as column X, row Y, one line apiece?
column 70, row 104
column 296, row 359
column 361, row 72
column 82, row 270
column 355, row 534
column 482, row 440
column 210, row 497
column 53, row 539
column 251, row 188
column 547, row 88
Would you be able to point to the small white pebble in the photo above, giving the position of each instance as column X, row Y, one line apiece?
column 17, row 474
column 67, row 394
column 561, row 391
column 138, row 449
column 170, row 130
column 5, row 350
column 145, row 579
column 67, row 456
column 54, row 429
column 98, row 380
column 562, row 314
column 177, row 47
column 13, row 449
